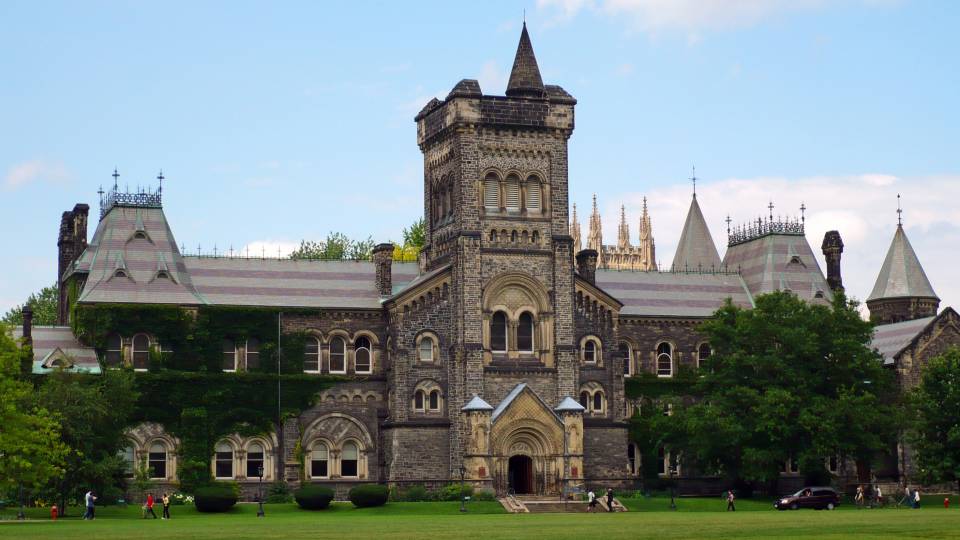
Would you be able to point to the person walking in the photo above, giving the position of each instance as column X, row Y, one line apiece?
column 149, row 509
column 166, row 506
column 591, row 501
column 609, row 499
column 858, row 498
column 907, row 499
column 89, row 500
column 730, row 498
column 879, row 496
column 916, row 498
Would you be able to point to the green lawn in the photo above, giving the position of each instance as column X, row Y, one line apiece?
column 652, row 519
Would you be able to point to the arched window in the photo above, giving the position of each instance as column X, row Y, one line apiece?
column 632, row 461
column 311, row 355
column 585, row 400
column 525, row 333
column 491, row 192
column 498, row 332
column 348, row 460
column 319, row 460
column 533, row 194
column 362, row 355
column 590, row 352
column 513, row 193
column 223, row 461
column 114, row 350
column 141, row 351
column 426, row 349
column 664, row 360
column 703, row 352
column 229, row 355
column 255, row 458
column 338, row 348
column 448, row 201
column 157, row 460
column 129, row 461
column 627, row 356
column 253, row 353
column 435, row 400
column 418, row 400
column 598, row 401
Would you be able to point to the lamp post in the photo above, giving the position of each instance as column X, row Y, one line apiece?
column 463, row 499
column 260, row 493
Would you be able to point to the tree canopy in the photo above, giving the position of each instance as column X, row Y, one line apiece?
column 936, row 433
column 44, row 305
column 788, row 380
column 337, row 246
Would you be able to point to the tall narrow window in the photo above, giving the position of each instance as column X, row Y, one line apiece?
column 253, row 353
column 129, row 463
column 585, row 399
column 348, row 460
column 223, row 466
column 627, row 358
column 255, row 460
column 311, row 355
column 533, row 194
column 338, row 348
column 418, row 399
column 662, row 458
column 632, row 458
column 590, row 352
column 498, row 332
column 229, row 355
column 513, row 193
column 435, row 400
column 114, row 350
column 361, row 355
column 703, row 352
column 833, row 464
column 141, row 351
column 319, row 460
column 426, row 349
column 525, row 333
column 491, row 192
column 664, row 360
column 598, row 401
column 157, row 461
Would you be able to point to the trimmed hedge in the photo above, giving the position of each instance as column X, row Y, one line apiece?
column 313, row 497
column 215, row 498
column 369, row 495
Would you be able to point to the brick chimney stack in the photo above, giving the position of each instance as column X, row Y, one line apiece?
column 587, row 265
column 28, row 325
column 70, row 245
column 832, row 250
column 383, row 261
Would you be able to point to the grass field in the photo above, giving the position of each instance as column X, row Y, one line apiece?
column 650, row 518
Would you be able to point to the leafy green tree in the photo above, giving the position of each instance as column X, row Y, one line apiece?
column 337, row 246
column 44, row 305
column 95, row 411
column 936, row 429
column 788, row 380
column 31, row 452
column 415, row 235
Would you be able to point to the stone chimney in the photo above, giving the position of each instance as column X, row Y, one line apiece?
column 587, row 265
column 383, row 261
column 28, row 325
column 832, row 250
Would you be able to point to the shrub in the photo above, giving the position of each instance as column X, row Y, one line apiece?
column 416, row 494
column 369, row 495
column 484, row 495
column 279, row 493
column 313, row 497
column 451, row 492
column 215, row 498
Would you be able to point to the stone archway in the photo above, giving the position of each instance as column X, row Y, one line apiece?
column 520, row 476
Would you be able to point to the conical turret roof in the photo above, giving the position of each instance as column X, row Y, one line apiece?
column 525, row 80
column 696, row 249
column 901, row 274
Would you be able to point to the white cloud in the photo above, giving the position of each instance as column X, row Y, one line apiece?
column 492, row 79
column 32, row 171
column 862, row 207
column 268, row 248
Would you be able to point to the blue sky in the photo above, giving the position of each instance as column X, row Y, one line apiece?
column 275, row 122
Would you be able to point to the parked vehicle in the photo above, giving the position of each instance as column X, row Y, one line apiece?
column 819, row 498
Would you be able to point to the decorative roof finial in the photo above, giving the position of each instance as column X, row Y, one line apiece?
column 693, row 178
column 899, row 212
column 770, row 206
column 803, row 210
column 160, row 177
column 115, row 175
column 728, row 220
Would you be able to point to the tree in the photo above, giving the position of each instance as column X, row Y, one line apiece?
column 31, row 452
column 95, row 411
column 416, row 235
column 788, row 380
column 936, row 429
column 44, row 304
column 337, row 246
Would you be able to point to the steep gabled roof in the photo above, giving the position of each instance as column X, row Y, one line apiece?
column 890, row 339
column 902, row 274
column 696, row 250
column 525, row 79
column 779, row 262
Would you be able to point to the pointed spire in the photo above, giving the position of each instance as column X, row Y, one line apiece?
column 696, row 249
column 647, row 248
column 575, row 231
column 623, row 233
column 595, row 236
column 525, row 80
column 902, row 274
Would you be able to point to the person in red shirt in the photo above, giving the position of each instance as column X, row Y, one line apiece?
column 150, row 506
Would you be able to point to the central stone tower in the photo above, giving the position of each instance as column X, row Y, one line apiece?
column 495, row 210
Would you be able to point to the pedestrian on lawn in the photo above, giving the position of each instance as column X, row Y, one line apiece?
column 150, row 506
column 591, row 501
column 916, row 498
column 166, row 506
column 730, row 498
column 609, row 499
column 89, row 500
column 858, row 498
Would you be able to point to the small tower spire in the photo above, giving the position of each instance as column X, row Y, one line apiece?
column 575, row 230
column 525, row 79
column 693, row 178
column 899, row 212
column 623, row 233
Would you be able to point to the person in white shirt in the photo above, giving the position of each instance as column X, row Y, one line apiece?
column 592, row 501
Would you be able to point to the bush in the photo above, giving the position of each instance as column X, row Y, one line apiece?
column 369, row 495
column 313, row 497
column 279, row 493
column 484, row 495
column 415, row 494
column 451, row 492
column 215, row 498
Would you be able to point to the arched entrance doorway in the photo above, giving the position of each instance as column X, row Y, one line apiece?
column 520, row 474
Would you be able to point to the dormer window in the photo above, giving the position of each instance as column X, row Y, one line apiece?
column 140, row 235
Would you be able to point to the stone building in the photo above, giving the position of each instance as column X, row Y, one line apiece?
column 503, row 351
